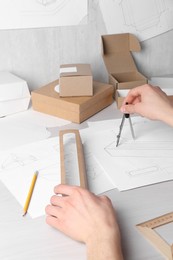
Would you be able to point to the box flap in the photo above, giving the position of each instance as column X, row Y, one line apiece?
column 75, row 70
column 116, row 51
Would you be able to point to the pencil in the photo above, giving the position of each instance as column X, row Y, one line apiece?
column 30, row 192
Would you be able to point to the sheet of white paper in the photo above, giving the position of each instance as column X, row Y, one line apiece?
column 135, row 163
column 98, row 181
column 102, row 125
column 41, row 119
column 26, row 127
column 42, row 13
column 18, row 165
column 145, row 19
column 13, row 134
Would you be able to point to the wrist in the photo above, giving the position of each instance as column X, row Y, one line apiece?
column 101, row 247
column 168, row 116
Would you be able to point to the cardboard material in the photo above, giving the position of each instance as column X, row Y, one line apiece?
column 147, row 229
column 14, row 94
column 80, row 158
column 75, row 80
column 116, row 51
column 75, row 109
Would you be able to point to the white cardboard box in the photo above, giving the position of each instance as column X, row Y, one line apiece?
column 14, row 94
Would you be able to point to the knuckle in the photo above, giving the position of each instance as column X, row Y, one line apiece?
column 53, row 199
column 47, row 209
column 105, row 199
column 79, row 191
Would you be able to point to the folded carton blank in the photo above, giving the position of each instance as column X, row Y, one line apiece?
column 14, row 94
column 75, row 80
column 75, row 109
column 116, row 51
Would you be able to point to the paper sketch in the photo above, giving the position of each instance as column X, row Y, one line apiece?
column 46, row 2
column 16, row 160
column 41, row 13
column 145, row 19
column 146, row 148
column 15, row 132
column 134, row 163
column 98, row 180
column 18, row 165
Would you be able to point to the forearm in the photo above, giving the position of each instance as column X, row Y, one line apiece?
column 101, row 249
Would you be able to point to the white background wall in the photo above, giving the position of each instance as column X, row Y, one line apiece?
column 35, row 54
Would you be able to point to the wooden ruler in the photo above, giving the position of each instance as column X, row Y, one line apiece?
column 80, row 157
column 147, row 229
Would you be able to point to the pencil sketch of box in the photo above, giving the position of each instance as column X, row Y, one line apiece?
column 14, row 94
column 145, row 20
column 140, row 149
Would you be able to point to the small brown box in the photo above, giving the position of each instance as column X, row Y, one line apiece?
column 75, row 109
column 75, row 80
column 116, row 51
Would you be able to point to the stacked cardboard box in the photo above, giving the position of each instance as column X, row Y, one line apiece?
column 75, row 109
column 75, row 80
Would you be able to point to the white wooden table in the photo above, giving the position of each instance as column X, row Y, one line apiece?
column 23, row 238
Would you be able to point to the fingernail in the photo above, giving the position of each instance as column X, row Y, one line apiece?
column 123, row 109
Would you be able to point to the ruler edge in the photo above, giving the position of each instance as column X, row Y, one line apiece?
column 147, row 230
column 80, row 157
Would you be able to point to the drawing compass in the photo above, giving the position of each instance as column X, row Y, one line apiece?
column 121, row 127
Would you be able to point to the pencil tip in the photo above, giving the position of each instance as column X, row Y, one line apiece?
column 24, row 213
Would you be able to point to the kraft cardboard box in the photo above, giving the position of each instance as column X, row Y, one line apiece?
column 75, row 109
column 116, row 52
column 75, row 80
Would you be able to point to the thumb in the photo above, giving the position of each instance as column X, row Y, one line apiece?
column 129, row 109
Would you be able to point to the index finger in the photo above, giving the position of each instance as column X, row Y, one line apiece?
column 133, row 94
column 64, row 189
